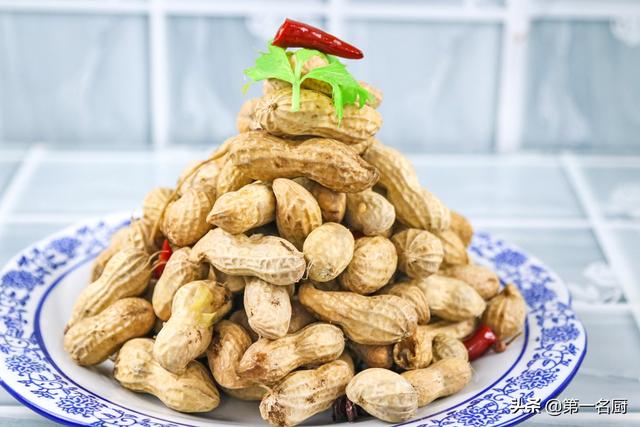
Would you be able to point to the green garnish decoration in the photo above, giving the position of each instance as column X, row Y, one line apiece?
column 274, row 64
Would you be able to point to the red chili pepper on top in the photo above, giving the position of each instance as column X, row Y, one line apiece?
column 480, row 341
column 297, row 34
column 164, row 256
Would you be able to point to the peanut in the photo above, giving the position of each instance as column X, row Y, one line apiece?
column 420, row 253
column 93, row 339
column 178, row 271
column 117, row 242
column 239, row 317
column 482, row 279
column 383, row 394
column 332, row 203
column 268, row 308
column 414, row 295
column 239, row 211
column 126, row 275
column 258, row 155
column 506, row 313
column 187, row 334
column 154, row 203
column 328, row 250
column 415, row 206
column 250, row 393
column 204, row 179
column 270, row 258
column 231, row 178
column 246, row 115
column 462, row 227
column 316, row 116
column 381, row 319
column 297, row 212
column 455, row 253
column 303, row 394
column 361, row 147
column 370, row 213
column 229, row 343
column 235, row 284
column 374, row 263
column 267, row 361
column 451, row 299
column 446, row 347
column 192, row 391
column 374, row 356
column 185, row 220
column 443, row 378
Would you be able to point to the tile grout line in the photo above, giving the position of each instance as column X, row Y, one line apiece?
column 609, row 246
column 19, row 179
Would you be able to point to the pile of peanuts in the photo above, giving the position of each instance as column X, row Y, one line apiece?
column 307, row 263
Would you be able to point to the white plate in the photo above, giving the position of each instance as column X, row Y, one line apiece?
column 39, row 286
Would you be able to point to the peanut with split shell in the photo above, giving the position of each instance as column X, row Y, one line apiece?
column 328, row 250
column 370, row 212
column 372, row 266
column 268, row 308
column 261, row 156
column 187, row 334
column 332, row 203
column 179, row 270
column 482, row 279
column 267, row 361
column 126, row 274
column 383, row 394
column 137, row 370
column 185, row 219
column 316, row 116
column 443, row 378
column 420, row 253
column 297, row 211
column 451, row 299
column 249, row 207
column 506, row 313
column 270, row 258
column 93, row 339
column 380, row 319
column 305, row 393
column 415, row 206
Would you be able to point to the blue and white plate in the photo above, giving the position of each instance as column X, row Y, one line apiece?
column 39, row 286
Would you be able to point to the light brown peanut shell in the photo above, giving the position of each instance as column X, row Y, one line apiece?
column 297, row 212
column 415, row 206
column 185, row 220
column 332, row 203
column 93, row 339
column 414, row 295
column 446, row 347
column 442, row 378
column 230, row 178
column 187, row 333
column 380, row 319
column 328, row 250
column 374, row 356
column 246, row 116
column 201, row 176
column 300, row 317
column 179, row 270
column 261, row 156
column 383, row 394
column 267, row 361
column 462, row 227
column 370, row 212
column 126, row 275
column 154, row 203
column 239, row 211
column 481, row 278
column 268, row 308
column 305, row 393
column 420, row 253
column 451, row 299
column 192, row 391
column 235, row 284
column 506, row 313
column 251, row 393
column 117, row 242
column 455, row 252
column 372, row 266
column 316, row 116
column 268, row 257
column 229, row 343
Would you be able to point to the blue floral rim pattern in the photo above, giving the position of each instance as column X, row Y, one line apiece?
column 556, row 335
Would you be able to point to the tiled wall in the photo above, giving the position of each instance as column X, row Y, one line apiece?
column 85, row 79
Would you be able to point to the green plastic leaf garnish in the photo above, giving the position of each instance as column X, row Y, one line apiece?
column 274, row 64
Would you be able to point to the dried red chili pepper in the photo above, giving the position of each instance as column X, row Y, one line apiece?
column 480, row 342
column 163, row 258
column 297, row 34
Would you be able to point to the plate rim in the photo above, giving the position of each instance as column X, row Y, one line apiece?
column 117, row 220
